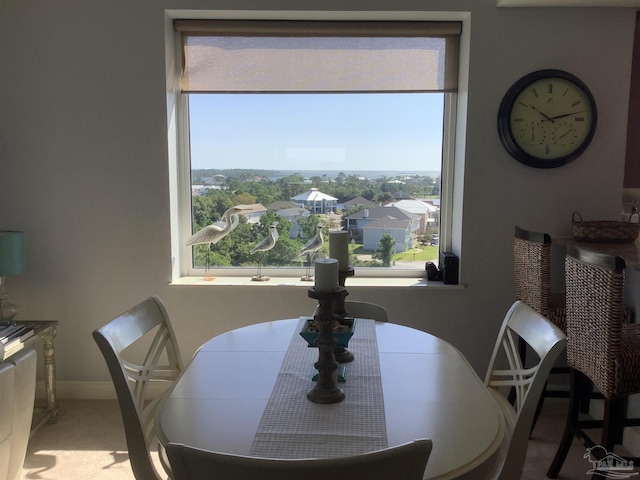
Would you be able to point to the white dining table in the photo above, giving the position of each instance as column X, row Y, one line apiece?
column 429, row 391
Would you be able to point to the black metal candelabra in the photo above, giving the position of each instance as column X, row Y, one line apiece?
column 326, row 389
column 342, row 354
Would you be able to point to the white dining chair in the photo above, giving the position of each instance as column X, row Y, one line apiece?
column 506, row 372
column 145, row 324
column 403, row 462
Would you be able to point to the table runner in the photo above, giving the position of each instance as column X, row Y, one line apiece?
column 294, row 427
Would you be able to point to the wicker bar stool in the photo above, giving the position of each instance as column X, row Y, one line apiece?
column 532, row 278
column 602, row 348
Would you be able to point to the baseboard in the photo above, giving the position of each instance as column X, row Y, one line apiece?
column 87, row 390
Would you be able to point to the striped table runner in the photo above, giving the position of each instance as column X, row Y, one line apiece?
column 294, row 427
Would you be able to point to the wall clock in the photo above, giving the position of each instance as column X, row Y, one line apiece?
column 547, row 118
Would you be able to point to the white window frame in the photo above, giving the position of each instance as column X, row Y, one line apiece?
column 180, row 167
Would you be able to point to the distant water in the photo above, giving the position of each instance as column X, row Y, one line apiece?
column 371, row 174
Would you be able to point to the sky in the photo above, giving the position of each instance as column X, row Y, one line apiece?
column 334, row 132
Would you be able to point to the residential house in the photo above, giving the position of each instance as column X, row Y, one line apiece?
column 424, row 209
column 281, row 205
column 316, row 201
column 357, row 202
column 400, row 230
column 253, row 212
column 358, row 221
column 293, row 214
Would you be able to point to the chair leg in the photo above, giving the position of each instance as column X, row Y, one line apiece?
column 538, row 408
column 572, row 420
column 586, row 399
column 613, row 424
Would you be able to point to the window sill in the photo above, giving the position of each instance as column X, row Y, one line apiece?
column 296, row 282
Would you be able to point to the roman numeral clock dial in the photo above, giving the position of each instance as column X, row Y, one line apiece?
column 547, row 119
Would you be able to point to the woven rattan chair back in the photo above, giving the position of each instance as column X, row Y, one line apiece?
column 532, row 275
column 532, row 269
column 145, row 328
column 595, row 317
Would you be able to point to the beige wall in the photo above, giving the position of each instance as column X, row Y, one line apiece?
column 632, row 165
column 84, row 167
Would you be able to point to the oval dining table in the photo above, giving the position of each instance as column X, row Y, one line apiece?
column 427, row 389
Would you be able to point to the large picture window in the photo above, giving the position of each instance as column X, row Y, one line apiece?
column 339, row 125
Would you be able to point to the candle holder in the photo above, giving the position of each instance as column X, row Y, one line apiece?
column 342, row 354
column 326, row 389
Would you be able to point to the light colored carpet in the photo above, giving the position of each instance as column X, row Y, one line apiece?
column 88, row 443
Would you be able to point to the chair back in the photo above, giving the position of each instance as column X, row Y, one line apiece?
column 364, row 310
column 403, row 462
column 595, row 316
column 24, row 393
column 532, row 269
column 145, row 328
column 506, row 371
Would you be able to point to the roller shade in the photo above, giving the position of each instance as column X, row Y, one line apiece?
column 315, row 57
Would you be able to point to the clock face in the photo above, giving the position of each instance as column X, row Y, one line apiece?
column 547, row 119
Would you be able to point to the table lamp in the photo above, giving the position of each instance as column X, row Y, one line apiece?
column 12, row 262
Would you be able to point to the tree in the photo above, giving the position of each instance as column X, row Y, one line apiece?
column 385, row 249
column 208, row 208
column 244, row 198
column 286, row 251
column 308, row 226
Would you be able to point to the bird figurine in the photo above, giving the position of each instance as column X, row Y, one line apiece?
column 264, row 246
column 212, row 234
column 310, row 249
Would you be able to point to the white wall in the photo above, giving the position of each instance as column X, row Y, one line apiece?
column 84, row 167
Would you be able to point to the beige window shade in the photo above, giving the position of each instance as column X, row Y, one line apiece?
column 315, row 57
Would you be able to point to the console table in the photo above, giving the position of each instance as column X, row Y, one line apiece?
column 43, row 331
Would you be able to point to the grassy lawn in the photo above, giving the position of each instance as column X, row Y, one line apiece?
column 421, row 253
column 418, row 254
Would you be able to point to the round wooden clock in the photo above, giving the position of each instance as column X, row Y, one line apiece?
column 547, row 118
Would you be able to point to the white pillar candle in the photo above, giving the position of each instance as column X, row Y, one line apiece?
column 326, row 273
column 339, row 248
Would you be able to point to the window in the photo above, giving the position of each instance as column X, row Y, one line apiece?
column 340, row 124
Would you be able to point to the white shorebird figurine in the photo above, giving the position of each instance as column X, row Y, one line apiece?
column 212, row 234
column 264, row 246
column 310, row 249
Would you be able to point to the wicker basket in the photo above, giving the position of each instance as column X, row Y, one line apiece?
column 604, row 231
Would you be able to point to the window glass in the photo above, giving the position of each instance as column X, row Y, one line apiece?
column 320, row 153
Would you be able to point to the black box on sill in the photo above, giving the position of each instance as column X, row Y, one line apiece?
column 449, row 266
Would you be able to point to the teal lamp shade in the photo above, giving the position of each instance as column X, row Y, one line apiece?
column 12, row 253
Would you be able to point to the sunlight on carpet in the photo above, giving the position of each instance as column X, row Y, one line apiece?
column 88, row 443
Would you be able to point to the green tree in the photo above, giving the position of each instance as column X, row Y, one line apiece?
column 244, row 198
column 210, row 207
column 309, row 226
column 385, row 249
column 283, row 253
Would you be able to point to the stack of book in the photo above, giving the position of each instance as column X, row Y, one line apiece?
column 12, row 334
